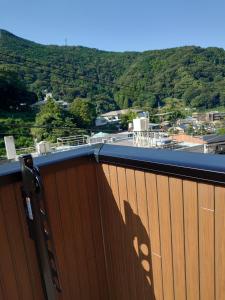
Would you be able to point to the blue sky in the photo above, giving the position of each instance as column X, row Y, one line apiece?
column 117, row 25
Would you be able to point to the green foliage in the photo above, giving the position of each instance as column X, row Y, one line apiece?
column 190, row 130
column 221, row 131
column 127, row 118
column 83, row 112
column 13, row 93
column 51, row 122
column 175, row 108
column 100, row 81
column 19, row 128
column 193, row 75
column 67, row 72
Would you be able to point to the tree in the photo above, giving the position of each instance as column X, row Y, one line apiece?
column 190, row 130
column 221, row 131
column 127, row 118
column 51, row 122
column 83, row 112
column 13, row 93
column 174, row 116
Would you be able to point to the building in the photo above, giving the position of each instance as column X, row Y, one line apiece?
column 211, row 143
column 215, row 116
column 209, row 116
column 100, row 121
column 115, row 116
column 214, row 144
column 63, row 104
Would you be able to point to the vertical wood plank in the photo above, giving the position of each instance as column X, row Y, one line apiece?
column 106, row 208
column 165, row 232
column 129, row 267
column 30, row 251
column 131, row 217
column 191, row 239
column 69, row 237
column 53, row 211
column 153, row 212
column 1, row 291
column 106, row 250
column 16, row 243
column 78, row 235
column 7, row 272
column 143, row 236
column 131, row 189
column 177, row 225
column 119, row 227
column 220, row 242
column 86, row 224
column 206, row 240
column 91, row 182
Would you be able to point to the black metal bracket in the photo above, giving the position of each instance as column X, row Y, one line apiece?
column 97, row 151
column 39, row 229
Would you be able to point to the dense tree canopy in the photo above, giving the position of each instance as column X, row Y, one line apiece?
column 116, row 80
column 83, row 112
column 51, row 122
column 127, row 118
column 13, row 93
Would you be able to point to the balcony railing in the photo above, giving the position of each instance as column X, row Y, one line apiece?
column 123, row 223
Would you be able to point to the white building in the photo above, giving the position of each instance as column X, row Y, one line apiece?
column 115, row 116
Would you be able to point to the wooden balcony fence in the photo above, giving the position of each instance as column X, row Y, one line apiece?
column 125, row 223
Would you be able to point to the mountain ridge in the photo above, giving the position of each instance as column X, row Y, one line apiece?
column 10, row 34
column 112, row 80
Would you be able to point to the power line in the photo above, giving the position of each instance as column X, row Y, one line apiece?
column 30, row 126
column 84, row 77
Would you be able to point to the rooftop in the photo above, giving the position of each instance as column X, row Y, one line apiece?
column 119, row 112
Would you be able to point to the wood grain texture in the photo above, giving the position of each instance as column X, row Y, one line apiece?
column 1, row 291
column 87, row 231
column 144, row 245
column 166, row 236
column 72, row 201
column 91, row 182
column 69, row 239
column 132, row 225
column 206, row 241
column 191, row 239
column 177, row 226
column 153, row 213
column 220, row 242
column 7, row 270
column 129, row 271
column 54, row 215
column 19, row 272
column 106, row 207
column 16, row 244
column 119, row 228
column 76, row 222
column 30, row 252
column 118, row 233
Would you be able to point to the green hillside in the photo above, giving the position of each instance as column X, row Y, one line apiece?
column 109, row 79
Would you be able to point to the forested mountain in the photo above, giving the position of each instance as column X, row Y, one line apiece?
column 110, row 79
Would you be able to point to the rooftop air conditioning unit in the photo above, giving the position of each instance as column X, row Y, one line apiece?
column 140, row 124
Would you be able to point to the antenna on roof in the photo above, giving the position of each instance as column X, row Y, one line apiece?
column 65, row 41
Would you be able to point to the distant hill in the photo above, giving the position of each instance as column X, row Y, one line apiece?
column 113, row 79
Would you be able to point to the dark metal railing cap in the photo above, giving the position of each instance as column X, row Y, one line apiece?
column 197, row 166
